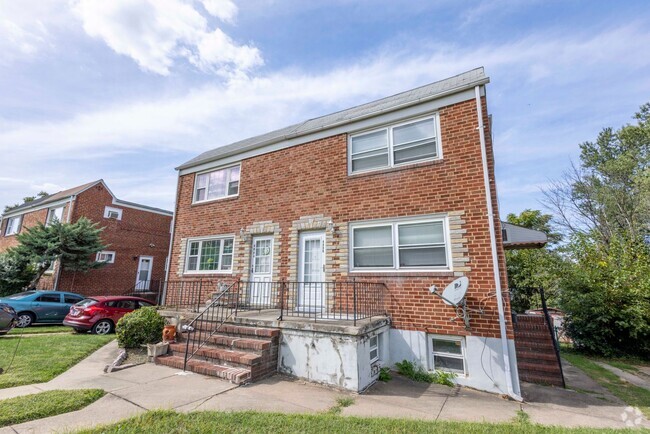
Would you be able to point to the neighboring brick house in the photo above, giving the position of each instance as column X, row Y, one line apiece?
column 393, row 191
column 137, row 239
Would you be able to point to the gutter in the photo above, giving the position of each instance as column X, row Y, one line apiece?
column 68, row 218
column 171, row 242
column 493, row 248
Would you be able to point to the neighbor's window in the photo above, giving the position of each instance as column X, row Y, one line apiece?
column 217, row 184
column 209, row 256
column 112, row 213
column 448, row 353
column 395, row 145
column 54, row 214
column 374, row 349
column 399, row 245
column 13, row 225
column 105, row 256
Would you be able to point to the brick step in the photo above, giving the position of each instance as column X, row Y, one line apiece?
column 552, row 380
column 239, row 330
column 535, row 347
column 220, row 356
column 538, row 367
column 234, row 375
column 533, row 337
column 534, row 319
column 532, row 329
column 536, row 356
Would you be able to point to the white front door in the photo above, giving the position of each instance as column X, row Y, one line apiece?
column 311, row 266
column 143, row 277
column 261, row 270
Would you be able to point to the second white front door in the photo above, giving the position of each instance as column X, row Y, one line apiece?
column 311, row 276
column 261, row 270
column 143, row 278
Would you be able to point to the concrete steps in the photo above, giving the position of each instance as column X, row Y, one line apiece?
column 237, row 353
column 536, row 358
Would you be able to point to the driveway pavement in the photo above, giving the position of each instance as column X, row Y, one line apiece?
column 146, row 387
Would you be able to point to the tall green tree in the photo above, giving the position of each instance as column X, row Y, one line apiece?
column 73, row 244
column 15, row 273
column 530, row 269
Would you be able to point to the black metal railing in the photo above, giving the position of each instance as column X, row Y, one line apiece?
column 339, row 300
column 193, row 295
column 222, row 307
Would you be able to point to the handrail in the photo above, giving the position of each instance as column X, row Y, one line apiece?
column 556, row 345
column 225, row 305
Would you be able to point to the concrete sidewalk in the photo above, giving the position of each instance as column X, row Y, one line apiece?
column 146, row 387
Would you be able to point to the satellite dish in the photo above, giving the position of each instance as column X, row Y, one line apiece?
column 455, row 292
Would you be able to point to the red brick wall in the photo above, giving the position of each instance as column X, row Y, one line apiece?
column 312, row 179
column 129, row 238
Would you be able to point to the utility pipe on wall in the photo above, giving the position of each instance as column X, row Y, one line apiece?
column 493, row 246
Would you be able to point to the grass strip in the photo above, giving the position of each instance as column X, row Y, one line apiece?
column 169, row 422
column 40, row 329
column 41, row 358
column 45, row 404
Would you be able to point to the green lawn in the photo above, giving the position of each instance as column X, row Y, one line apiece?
column 629, row 393
column 41, row 358
column 254, row 422
column 41, row 329
column 45, row 404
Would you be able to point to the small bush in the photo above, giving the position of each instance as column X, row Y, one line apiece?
column 142, row 326
column 417, row 373
column 384, row 374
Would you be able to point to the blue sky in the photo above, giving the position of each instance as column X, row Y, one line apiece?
column 128, row 89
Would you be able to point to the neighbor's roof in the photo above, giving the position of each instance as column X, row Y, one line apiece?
column 430, row 91
column 53, row 197
column 519, row 237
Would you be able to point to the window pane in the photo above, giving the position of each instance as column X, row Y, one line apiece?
column 227, row 245
column 421, row 233
column 448, row 363
column 191, row 263
column 217, row 184
column 226, row 262
column 412, row 153
column 366, row 142
column 194, row 248
column 210, row 255
column 369, row 162
column 374, row 355
column 415, row 131
column 234, row 173
column 49, row 298
column 422, row 256
column 375, row 257
column 202, row 180
column 200, row 194
column 233, row 188
column 371, row 237
column 445, row 346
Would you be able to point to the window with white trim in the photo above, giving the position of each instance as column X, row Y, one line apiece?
column 395, row 145
column 105, row 256
column 112, row 213
column 54, row 214
column 13, row 225
column 374, row 348
column 209, row 256
column 448, row 354
column 400, row 245
column 217, row 184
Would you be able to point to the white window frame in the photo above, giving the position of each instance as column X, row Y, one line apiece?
column 462, row 356
column 105, row 252
column 389, row 131
column 227, row 196
column 16, row 223
column 395, row 223
column 200, row 240
column 109, row 209
column 373, row 347
column 52, row 211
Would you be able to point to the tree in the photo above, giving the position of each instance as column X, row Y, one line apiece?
column 15, row 273
column 27, row 199
column 73, row 244
column 529, row 269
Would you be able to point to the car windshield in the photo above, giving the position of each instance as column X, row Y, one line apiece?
column 87, row 302
column 21, row 295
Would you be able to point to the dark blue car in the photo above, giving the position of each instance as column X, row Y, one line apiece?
column 41, row 306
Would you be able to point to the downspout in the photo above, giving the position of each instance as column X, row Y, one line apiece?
column 58, row 270
column 493, row 246
column 171, row 242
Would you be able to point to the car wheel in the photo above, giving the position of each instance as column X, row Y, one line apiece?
column 102, row 327
column 25, row 319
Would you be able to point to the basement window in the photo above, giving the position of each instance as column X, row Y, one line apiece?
column 448, row 354
column 374, row 349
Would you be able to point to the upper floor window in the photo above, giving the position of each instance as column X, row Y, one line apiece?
column 13, row 225
column 112, row 213
column 105, row 256
column 217, row 184
column 209, row 255
column 395, row 145
column 54, row 214
column 400, row 245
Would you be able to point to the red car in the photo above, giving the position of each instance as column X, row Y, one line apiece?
column 100, row 314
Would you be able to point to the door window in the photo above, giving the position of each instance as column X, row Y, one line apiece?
column 49, row 298
column 262, row 256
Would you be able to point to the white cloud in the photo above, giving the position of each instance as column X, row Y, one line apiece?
column 225, row 10
column 155, row 33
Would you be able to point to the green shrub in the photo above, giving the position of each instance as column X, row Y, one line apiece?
column 418, row 373
column 142, row 326
column 384, row 374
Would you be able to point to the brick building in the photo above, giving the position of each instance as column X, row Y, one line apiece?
column 137, row 239
column 399, row 191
